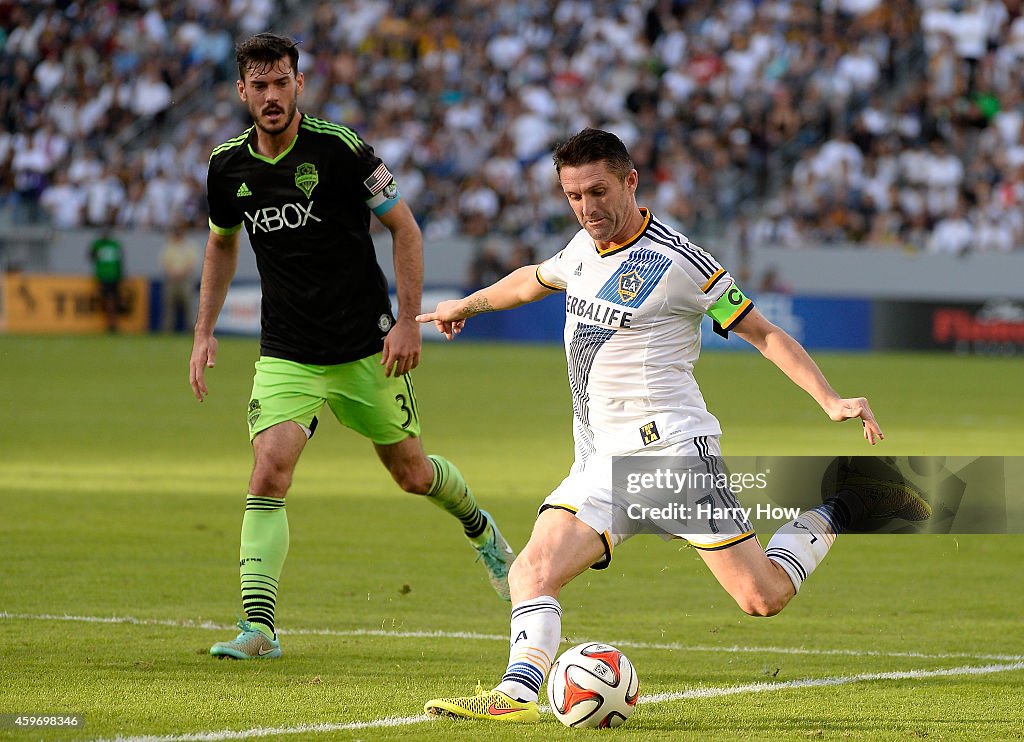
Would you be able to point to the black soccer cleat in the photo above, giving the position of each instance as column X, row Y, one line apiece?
column 873, row 499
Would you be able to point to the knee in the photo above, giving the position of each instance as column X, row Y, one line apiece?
column 414, row 476
column 761, row 603
column 528, row 578
column 270, row 480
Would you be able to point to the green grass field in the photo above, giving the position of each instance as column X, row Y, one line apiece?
column 121, row 499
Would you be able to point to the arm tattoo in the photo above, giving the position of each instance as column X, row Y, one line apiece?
column 478, row 306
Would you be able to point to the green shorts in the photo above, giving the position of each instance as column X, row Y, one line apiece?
column 381, row 408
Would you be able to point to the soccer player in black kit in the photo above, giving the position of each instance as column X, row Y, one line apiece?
column 304, row 189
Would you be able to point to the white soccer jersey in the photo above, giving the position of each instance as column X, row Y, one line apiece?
column 632, row 336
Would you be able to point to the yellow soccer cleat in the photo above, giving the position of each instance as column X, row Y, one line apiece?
column 492, row 704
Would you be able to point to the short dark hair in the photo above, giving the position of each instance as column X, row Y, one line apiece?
column 262, row 51
column 594, row 145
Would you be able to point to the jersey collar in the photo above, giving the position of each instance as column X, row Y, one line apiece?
column 631, row 241
column 277, row 159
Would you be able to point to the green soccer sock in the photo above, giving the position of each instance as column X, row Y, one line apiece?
column 450, row 491
column 261, row 558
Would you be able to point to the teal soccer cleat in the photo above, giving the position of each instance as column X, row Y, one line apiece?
column 251, row 644
column 497, row 557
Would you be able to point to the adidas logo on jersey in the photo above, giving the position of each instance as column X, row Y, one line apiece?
column 243, row 190
column 579, row 270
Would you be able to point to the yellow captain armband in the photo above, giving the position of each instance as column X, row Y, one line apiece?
column 730, row 308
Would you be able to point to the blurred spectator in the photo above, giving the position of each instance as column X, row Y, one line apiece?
column 775, row 228
column 179, row 260
column 149, row 95
column 487, row 266
column 478, row 208
column 64, row 202
column 104, row 198
column 30, row 167
column 885, row 229
column 953, row 234
column 523, row 253
column 107, row 257
column 992, row 234
column 771, row 282
column 915, row 232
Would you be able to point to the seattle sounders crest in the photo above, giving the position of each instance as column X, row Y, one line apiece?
column 306, row 178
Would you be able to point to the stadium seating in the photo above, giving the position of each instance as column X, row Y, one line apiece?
column 796, row 124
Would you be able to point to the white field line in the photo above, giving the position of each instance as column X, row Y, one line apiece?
column 226, row 734
column 712, row 692
column 474, row 636
column 825, row 682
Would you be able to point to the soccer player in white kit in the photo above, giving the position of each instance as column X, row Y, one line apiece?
column 636, row 291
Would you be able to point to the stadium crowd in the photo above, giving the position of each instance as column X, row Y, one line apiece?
column 790, row 122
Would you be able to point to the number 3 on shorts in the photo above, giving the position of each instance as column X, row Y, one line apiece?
column 404, row 404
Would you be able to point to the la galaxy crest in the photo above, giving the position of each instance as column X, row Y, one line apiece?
column 629, row 285
column 306, row 178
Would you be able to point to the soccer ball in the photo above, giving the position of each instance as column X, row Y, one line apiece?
column 593, row 685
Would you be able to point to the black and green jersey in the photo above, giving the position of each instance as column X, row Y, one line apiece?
column 106, row 254
column 307, row 212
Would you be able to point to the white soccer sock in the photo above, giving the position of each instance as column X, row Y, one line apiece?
column 801, row 545
column 536, row 632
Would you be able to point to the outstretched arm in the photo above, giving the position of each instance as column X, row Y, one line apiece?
column 781, row 349
column 517, row 288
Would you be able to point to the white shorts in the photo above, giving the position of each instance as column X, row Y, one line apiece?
column 590, row 493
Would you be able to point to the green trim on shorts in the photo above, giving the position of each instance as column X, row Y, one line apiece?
column 362, row 398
